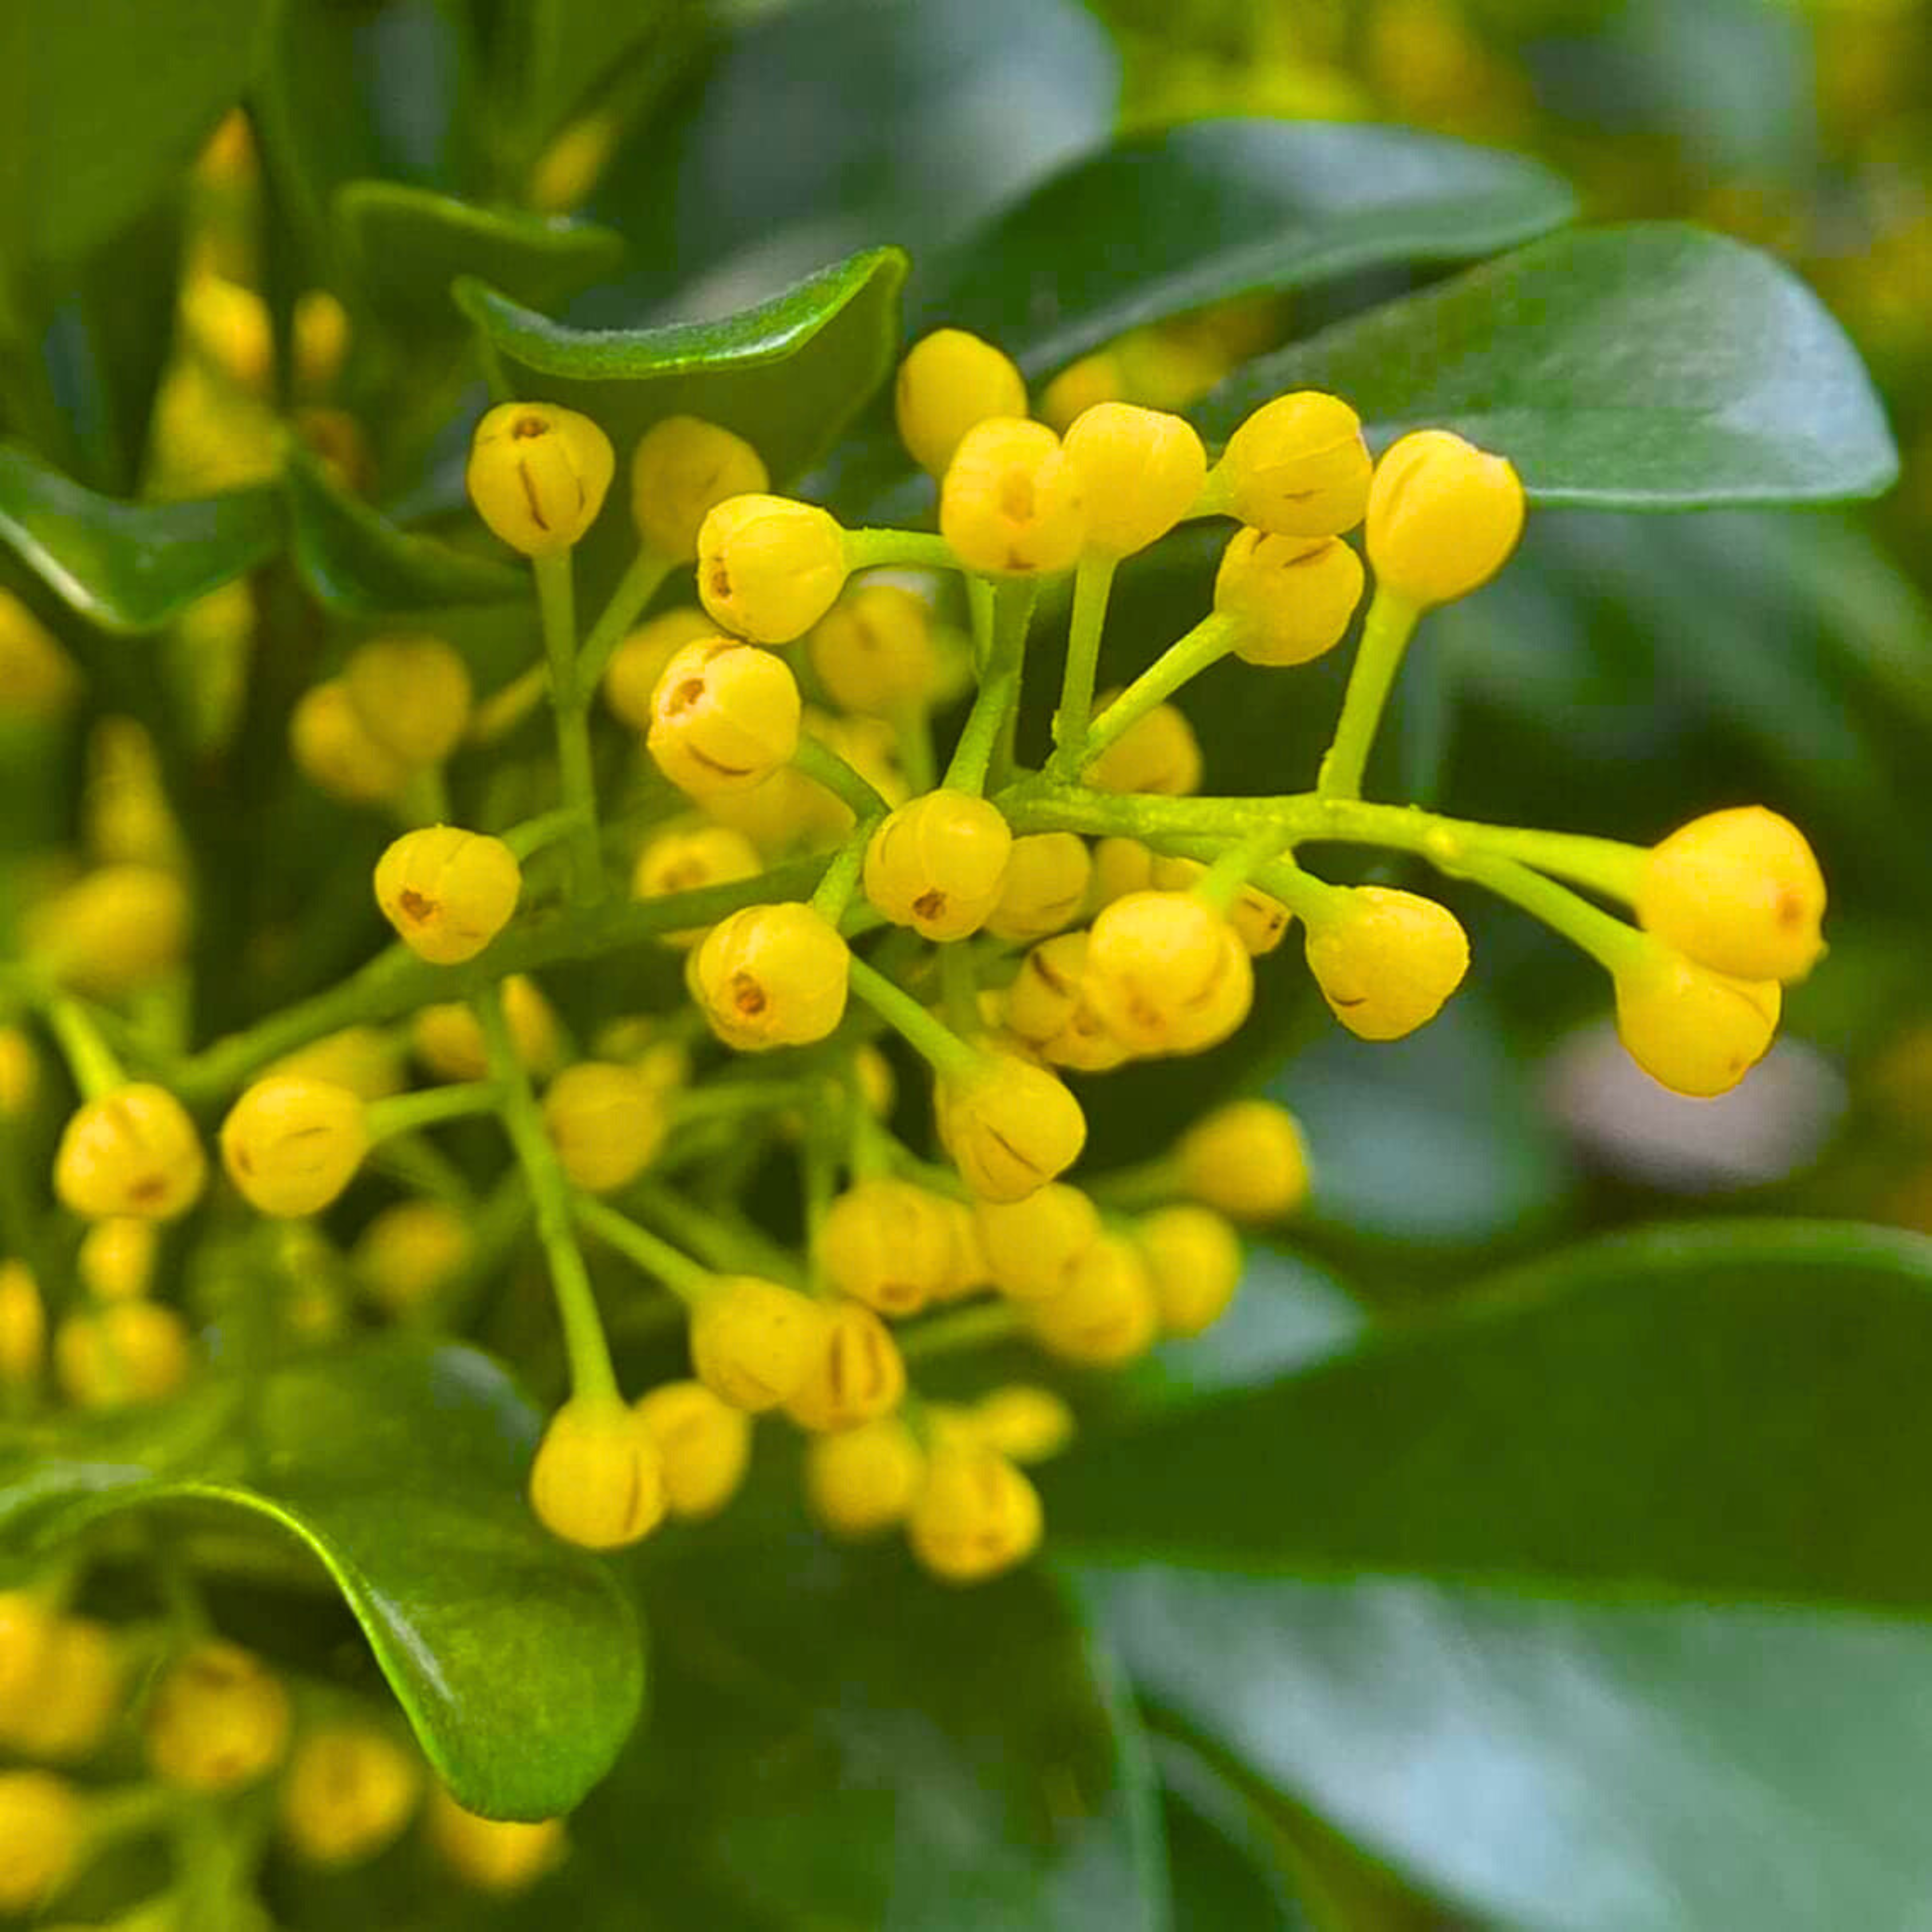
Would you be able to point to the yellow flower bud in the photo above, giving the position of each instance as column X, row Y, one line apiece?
column 43, row 1827
column 20, row 1074
column 116, row 1260
column 1085, row 1044
column 447, row 1039
column 877, row 1085
column 968, row 1272
column 772, row 976
column 23, row 1326
column 1010, row 503
column 447, row 892
column 1297, row 467
column 538, row 475
column 1156, row 753
column 887, row 1243
column 1386, row 960
column 217, row 1720
column 115, row 930
column 949, row 382
column 724, row 717
column 291, row 1145
column 705, row 1445
column 857, row 1376
column 1739, row 891
column 126, row 816
column 1025, row 1423
column 1094, row 378
column 1245, row 1160
column 492, row 1855
column 769, row 567
column 411, row 695
column 335, row 751
column 1140, row 472
column 365, row 1059
column 321, row 332
column 1045, row 991
column 1164, row 973
column 63, row 1713
column 863, row 1480
column 1259, row 920
column 37, row 678
column 1033, row 1246
column 975, row 1515
column 1010, row 1127
column 684, row 858
column 126, row 1352
column 1047, row 876
column 754, row 1342
column 630, row 679
column 26, row 1638
column 1444, row 517
column 874, row 651
column 230, row 324
column 409, row 1252
column 1106, row 1314
column 133, row 1151
column 1696, row 1031
column 598, row 1479
column 1194, row 1261
column 682, row 469
column 607, row 1123
column 939, row 864
column 348, row 1792
column 567, row 171
column 1290, row 598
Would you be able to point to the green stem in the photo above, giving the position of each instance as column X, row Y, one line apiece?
column 635, row 589
column 912, row 726
column 999, row 694
column 958, row 991
column 915, row 549
column 944, row 1052
column 422, row 1166
column 1386, row 631
column 546, row 829
column 557, row 599
column 1605, row 865
column 731, row 1099
column 506, row 708
column 1092, row 585
column 407, row 1113
column 1221, row 885
column 89, row 1056
column 690, row 1281
column 833, row 893
column 1152, row 1184
column 1207, row 643
column 1606, row 940
column 729, row 1246
column 976, row 1327
column 819, row 762
column 979, row 593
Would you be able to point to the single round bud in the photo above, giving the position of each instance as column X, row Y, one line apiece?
column 319, row 324
column 630, row 678
column 769, row 567
column 23, row 1326
column 939, row 864
column 704, row 1444
column 127, row 1351
column 348, row 1792
column 1010, row 1126
column 1297, row 467
column 857, row 1376
column 949, row 382
column 1010, row 504
column 1164, row 973
column 968, row 1272
column 1444, row 517
column 27, row 1628
column 598, row 1478
column 367, row 1060
column 1033, row 1246
column 409, row 1252
column 724, row 717
column 874, row 651
column 1098, row 378
column 37, row 678
column 493, row 1855
column 682, row 470
column 772, row 976
column 1106, row 1314
column 975, row 1515
column 1026, row 1424
column 413, row 695
column 887, row 1243
column 1246, row 1160
column 114, row 931
column 1121, row 866
column 1045, row 991
column 1157, row 753
column 1194, row 1261
column 607, row 1122
column 684, row 858
column 20, row 1074
column 126, row 817
column 1140, row 472
column 291, row 1145
column 446, row 1038
column 1259, row 920
column 1739, row 891
column 1694, row 1030
column 116, row 1259
column 1386, row 960
column 1290, row 598
column 217, row 1720
column 447, row 892
column 754, row 1342
column 43, row 1827
column 1047, row 876
column 133, row 1151
column 538, row 475
column 335, row 750
column 876, row 1084
column 64, row 1714
column 863, row 1480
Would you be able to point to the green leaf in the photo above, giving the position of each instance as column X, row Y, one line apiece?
column 561, row 50
column 356, row 563
column 402, row 1469
column 1648, row 367
column 1728, row 1410
column 1168, row 223
column 130, row 567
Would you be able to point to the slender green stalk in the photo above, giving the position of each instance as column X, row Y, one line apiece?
column 1209, row 642
column 1605, row 865
column 1221, row 885
column 89, row 1058
column 999, row 694
column 688, row 1279
column 408, row 1113
column 833, row 893
column 1386, row 631
column 504, row 709
column 912, row 550
column 556, row 598
column 980, row 604
column 546, row 829
column 959, row 990
column 912, row 726
column 1092, row 587
column 635, row 589
column 729, row 1245
column 979, row 1327
column 944, row 1052
column 731, row 1099
column 819, row 762
column 1606, row 940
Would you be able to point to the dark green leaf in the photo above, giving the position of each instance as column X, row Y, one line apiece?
column 1649, row 367
column 565, row 49
column 516, row 1657
column 130, row 567
column 1732, row 1410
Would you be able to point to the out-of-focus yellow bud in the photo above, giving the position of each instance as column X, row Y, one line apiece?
column 863, row 1480
column 1692, row 1030
column 123, row 1352
column 1140, row 472
column 1297, row 467
column 116, row 1260
column 1739, row 891
column 567, row 170
column 597, row 1479
column 887, row 1243
column 874, row 651
column 23, row 1329
column 538, row 475
column 348, row 1792
column 684, row 858
column 229, row 326
column 1079, row 387
column 1010, row 503
column 704, row 1443
column 1157, row 753
column 492, row 1855
column 950, row 381
column 857, row 1376
column 1047, row 876
column 37, row 678
column 20, row 1074
column 115, row 930
column 1193, row 1260
column 1385, row 960
column 291, row 1145
column 1028, row 1424
column 43, row 1827
column 447, row 892
column 1246, row 1160
column 218, row 1720
column 1106, row 1314
column 975, row 1515
column 366, row 1060
column 1033, row 1246
column 334, row 750
column 754, row 1342
column 409, row 1252
column 321, row 334
column 682, row 470
column 133, row 1151
column 447, row 1039
column 64, row 1714
column 412, row 694
column 1444, row 517
column 128, row 819
column 607, row 1122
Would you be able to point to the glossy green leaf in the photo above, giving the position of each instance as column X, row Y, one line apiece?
column 130, row 567
column 1725, row 1411
column 1648, row 367
column 402, row 1469
column 357, row 563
